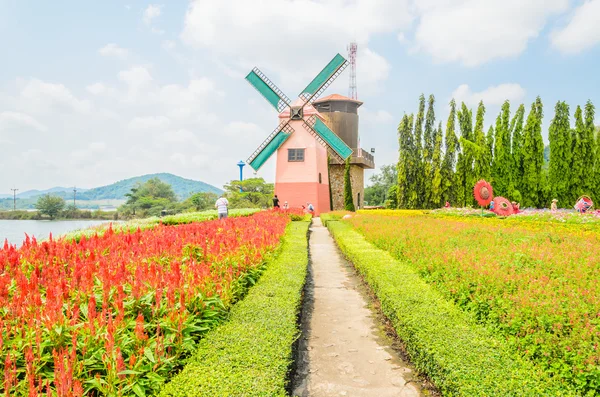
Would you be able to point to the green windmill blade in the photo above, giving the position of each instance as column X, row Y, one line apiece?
column 268, row 89
column 324, row 79
column 327, row 137
column 270, row 145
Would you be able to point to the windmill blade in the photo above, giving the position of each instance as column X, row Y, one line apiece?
column 268, row 89
column 327, row 138
column 270, row 145
column 324, row 79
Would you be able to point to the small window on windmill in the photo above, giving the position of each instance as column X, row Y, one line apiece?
column 320, row 181
column 295, row 155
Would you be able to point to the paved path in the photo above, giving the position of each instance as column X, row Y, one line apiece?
column 341, row 352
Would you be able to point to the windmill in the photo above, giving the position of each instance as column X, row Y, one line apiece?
column 302, row 173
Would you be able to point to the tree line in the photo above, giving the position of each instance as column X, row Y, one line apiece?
column 437, row 165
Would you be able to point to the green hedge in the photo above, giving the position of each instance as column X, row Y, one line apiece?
column 460, row 357
column 251, row 354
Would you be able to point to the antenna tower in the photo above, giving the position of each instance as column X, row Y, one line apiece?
column 352, row 58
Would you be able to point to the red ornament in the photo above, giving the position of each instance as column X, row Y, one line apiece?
column 483, row 193
column 502, row 206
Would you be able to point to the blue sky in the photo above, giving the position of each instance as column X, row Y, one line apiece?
column 93, row 92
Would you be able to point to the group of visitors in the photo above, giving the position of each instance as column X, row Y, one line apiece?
column 222, row 206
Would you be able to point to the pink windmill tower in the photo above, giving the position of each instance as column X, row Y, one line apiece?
column 302, row 140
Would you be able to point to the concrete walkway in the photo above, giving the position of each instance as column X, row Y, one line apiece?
column 341, row 351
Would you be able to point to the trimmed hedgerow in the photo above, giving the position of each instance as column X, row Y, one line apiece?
column 251, row 354
column 459, row 356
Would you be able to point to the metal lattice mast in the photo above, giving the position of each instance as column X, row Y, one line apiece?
column 353, row 93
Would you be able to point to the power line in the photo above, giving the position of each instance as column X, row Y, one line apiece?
column 14, row 198
column 352, row 47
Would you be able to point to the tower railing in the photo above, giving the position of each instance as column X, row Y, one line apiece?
column 359, row 157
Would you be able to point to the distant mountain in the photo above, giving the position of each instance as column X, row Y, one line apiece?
column 54, row 190
column 182, row 187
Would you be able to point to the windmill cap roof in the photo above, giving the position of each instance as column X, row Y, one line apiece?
column 337, row 97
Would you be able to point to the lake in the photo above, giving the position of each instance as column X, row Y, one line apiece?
column 15, row 231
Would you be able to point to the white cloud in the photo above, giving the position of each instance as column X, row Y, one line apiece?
column 135, row 77
column 473, row 32
column 493, row 95
column 582, row 31
column 113, row 50
column 96, row 89
column 149, row 122
column 244, row 34
column 9, row 120
column 377, row 117
column 168, row 44
column 55, row 95
column 151, row 12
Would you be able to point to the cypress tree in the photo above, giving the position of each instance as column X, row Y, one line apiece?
column 418, row 155
column 559, row 135
column 482, row 160
column 412, row 191
column 464, row 167
column 448, row 193
column 489, row 142
column 533, row 156
column 405, row 154
column 517, row 146
column 596, row 178
column 581, row 157
column 348, row 199
column 436, row 161
column 428, row 148
column 590, row 132
column 502, row 165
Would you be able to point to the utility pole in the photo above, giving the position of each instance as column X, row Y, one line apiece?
column 74, row 197
column 14, row 198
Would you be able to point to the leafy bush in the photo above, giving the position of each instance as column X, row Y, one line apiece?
column 251, row 354
column 461, row 357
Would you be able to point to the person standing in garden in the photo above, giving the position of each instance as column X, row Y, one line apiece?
column 221, row 205
column 275, row 202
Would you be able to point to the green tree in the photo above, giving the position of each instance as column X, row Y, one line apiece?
column 533, row 156
column 377, row 193
column 502, row 164
column 481, row 166
column 419, row 169
column 201, row 201
column 406, row 175
column 489, row 143
column 50, row 205
column 517, row 147
column 597, row 167
column 435, row 200
column 580, row 157
column 464, row 167
column 452, row 147
column 589, row 134
column 428, row 149
column 249, row 193
column 348, row 197
column 149, row 199
column 559, row 135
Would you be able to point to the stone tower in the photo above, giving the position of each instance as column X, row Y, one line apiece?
column 341, row 116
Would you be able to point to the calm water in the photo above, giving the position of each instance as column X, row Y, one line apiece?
column 15, row 231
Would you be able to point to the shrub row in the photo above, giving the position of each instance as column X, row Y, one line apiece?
column 251, row 354
column 460, row 357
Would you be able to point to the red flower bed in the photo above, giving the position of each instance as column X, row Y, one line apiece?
column 117, row 314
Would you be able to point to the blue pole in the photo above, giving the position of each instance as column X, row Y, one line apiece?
column 241, row 165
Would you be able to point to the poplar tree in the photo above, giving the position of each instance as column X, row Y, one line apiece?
column 348, row 198
column 533, row 156
column 596, row 179
column 502, row 165
column 481, row 166
column 436, row 162
column 428, row 149
column 559, row 136
column 517, row 147
column 418, row 155
column 464, row 167
column 450, row 156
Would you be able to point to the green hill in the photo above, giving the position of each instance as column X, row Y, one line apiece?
column 182, row 187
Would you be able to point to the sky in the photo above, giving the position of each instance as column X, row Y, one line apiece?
column 95, row 92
